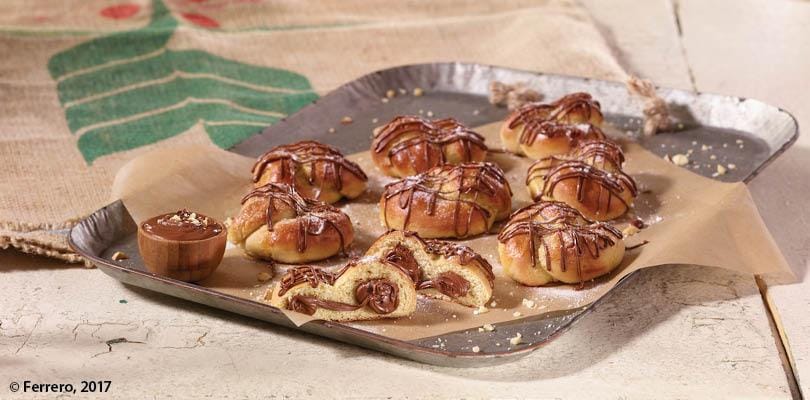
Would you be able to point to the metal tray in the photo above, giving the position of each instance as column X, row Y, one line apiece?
column 754, row 133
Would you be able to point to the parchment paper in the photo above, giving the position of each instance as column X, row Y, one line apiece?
column 690, row 220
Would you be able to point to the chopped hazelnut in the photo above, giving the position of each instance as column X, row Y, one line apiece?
column 346, row 120
column 516, row 340
column 488, row 327
column 732, row 166
column 331, row 130
column 476, row 349
column 680, row 160
column 418, row 92
column 528, row 303
column 517, row 314
column 391, row 93
column 119, row 255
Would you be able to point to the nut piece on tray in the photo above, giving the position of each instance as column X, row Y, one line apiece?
column 317, row 171
column 550, row 241
column 589, row 179
column 182, row 245
column 409, row 145
column 523, row 131
column 450, row 201
column 364, row 289
column 276, row 223
column 442, row 270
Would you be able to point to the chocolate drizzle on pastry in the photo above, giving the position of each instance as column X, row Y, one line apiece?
column 546, row 129
column 313, row 215
column 557, row 170
column 308, row 274
column 464, row 254
column 600, row 153
column 579, row 104
column 323, row 162
column 430, row 139
column 575, row 234
column 467, row 182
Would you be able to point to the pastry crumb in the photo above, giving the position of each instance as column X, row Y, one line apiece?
column 732, row 166
column 418, row 92
column 518, row 339
column 517, row 314
column 680, row 160
column 263, row 276
column 390, row 93
column 493, row 304
column 528, row 303
column 375, row 120
column 346, row 120
column 476, row 112
column 721, row 170
column 480, row 310
column 331, row 130
column 488, row 327
column 384, row 100
column 704, row 148
column 119, row 255
column 430, row 113
column 476, row 349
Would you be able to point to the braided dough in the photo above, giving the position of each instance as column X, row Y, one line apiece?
column 549, row 242
column 450, row 201
column 410, row 145
column 317, row 171
column 590, row 179
column 276, row 223
column 524, row 131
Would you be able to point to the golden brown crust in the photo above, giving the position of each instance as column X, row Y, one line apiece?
column 316, row 170
column 450, row 201
column 590, row 179
column 276, row 223
column 573, row 109
column 410, row 145
column 549, row 241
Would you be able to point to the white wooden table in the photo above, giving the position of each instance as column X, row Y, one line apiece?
column 676, row 332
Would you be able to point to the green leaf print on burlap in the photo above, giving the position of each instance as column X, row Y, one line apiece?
column 127, row 89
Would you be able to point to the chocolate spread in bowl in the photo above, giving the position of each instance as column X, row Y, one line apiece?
column 183, row 225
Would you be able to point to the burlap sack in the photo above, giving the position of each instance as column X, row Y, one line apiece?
column 88, row 84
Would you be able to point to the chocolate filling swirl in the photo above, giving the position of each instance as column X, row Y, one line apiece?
column 380, row 295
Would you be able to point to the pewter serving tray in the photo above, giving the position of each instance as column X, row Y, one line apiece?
column 754, row 133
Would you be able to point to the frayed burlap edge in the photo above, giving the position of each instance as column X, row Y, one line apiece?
column 41, row 248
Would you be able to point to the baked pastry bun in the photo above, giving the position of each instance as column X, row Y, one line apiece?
column 590, row 180
column 316, row 170
column 442, row 270
column 364, row 289
column 450, row 201
column 276, row 223
column 410, row 145
column 572, row 109
column 552, row 242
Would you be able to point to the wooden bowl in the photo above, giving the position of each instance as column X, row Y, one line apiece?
column 184, row 260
